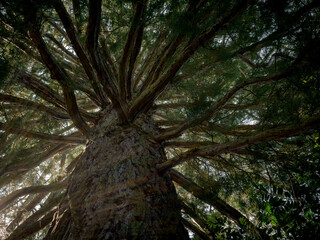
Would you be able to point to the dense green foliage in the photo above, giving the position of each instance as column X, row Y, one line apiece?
column 234, row 87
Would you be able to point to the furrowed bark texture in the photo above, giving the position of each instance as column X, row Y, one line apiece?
column 115, row 191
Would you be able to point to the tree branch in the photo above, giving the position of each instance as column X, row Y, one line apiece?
column 21, row 233
column 92, row 46
column 150, row 94
column 223, row 207
column 20, row 102
column 77, row 14
column 26, row 209
column 52, row 201
column 57, row 27
column 131, row 49
column 268, row 135
column 72, row 34
column 198, row 219
column 167, row 53
column 5, row 201
column 150, row 58
column 42, row 136
column 31, row 202
column 46, row 93
column 42, row 90
column 109, row 62
column 15, row 169
column 56, row 71
column 186, row 144
column 171, row 48
column 73, row 57
column 202, row 235
column 175, row 132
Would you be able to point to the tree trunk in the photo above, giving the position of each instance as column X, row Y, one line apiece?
column 115, row 191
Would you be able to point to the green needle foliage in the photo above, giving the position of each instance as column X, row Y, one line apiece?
column 233, row 88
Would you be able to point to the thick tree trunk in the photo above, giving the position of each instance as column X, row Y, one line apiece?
column 116, row 193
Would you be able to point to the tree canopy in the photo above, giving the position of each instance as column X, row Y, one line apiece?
column 233, row 87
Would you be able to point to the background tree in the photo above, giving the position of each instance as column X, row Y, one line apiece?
column 104, row 104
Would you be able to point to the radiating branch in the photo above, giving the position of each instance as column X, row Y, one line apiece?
column 53, row 200
column 42, row 90
column 52, row 38
column 186, row 144
column 56, row 71
column 213, row 200
column 5, row 201
column 20, row 102
column 41, row 136
column 26, row 209
column 211, row 111
column 165, row 56
column 150, row 59
column 109, row 61
column 72, row 34
column 109, row 86
column 267, row 135
column 151, row 93
column 31, row 228
column 131, row 49
column 18, row 167
column 53, row 23
column 161, row 61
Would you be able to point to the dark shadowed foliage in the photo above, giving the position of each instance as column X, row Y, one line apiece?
column 155, row 119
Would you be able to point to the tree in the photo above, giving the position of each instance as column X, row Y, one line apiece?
column 104, row 104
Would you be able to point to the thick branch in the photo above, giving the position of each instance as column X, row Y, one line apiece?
column 26, row 209
column 18, row 167
column 53, row 200
column 131, row 50
column 30, row 190
column 42, row 90
column 268, row 135
column 223, row 207
column 172, row 133
column 42, row 136
column 109, row 86
column 60, row 45
column 151, row 93
column 72, row 34
column 32, row 227
column 56, row 71
column 35, row 106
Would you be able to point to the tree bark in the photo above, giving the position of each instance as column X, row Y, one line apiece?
column 115, row 191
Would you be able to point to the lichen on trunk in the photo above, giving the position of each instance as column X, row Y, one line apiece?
column 115, row 191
